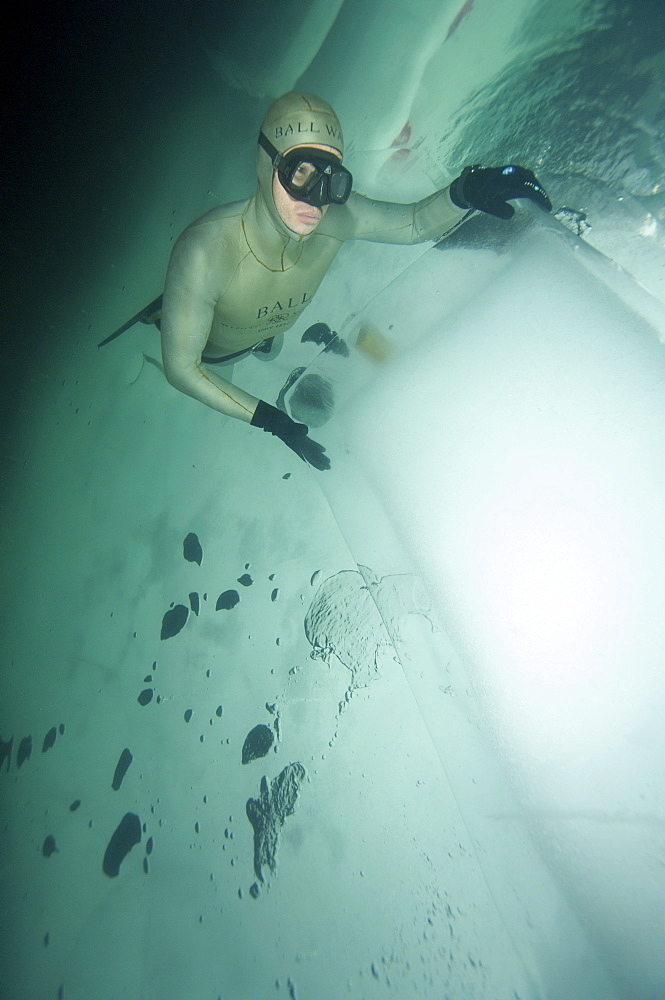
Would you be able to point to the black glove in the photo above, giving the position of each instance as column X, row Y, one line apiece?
column 488, row 189
column 270, row 419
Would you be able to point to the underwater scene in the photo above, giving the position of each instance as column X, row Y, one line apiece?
column 357, row 691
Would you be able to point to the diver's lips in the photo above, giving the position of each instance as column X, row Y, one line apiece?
column 308, row 217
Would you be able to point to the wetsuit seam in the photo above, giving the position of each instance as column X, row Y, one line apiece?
column 228, row 396
column 273, row 270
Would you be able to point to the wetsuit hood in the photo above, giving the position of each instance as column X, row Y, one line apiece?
column 295, row 119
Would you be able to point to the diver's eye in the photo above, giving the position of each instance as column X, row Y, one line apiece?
column 302, row 173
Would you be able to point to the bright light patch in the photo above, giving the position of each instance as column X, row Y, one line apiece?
column 547, row 586
column 649, row 227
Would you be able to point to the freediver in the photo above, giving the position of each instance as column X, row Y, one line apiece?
column 243, row 273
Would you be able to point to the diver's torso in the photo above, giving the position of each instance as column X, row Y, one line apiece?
column 260, row 303
column 259, row 293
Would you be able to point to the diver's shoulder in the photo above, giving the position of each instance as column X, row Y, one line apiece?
column 209, row 240
column 216, row 223
column 339, row 221
column 206, row 237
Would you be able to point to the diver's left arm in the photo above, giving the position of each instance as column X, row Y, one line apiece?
column 478, row 188
column 364, row 218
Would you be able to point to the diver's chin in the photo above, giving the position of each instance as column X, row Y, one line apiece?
column 305, row 223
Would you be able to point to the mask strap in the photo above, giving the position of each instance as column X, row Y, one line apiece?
column 274, row 154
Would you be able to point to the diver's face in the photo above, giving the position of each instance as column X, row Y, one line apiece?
column 298, row 216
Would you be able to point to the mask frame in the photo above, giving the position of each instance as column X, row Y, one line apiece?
column 327, row 182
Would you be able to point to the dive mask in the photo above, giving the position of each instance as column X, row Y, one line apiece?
column 310, row 175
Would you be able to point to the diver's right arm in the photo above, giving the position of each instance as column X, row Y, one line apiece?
column 187, row 315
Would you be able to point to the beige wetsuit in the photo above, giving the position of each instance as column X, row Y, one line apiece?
column 238, row 275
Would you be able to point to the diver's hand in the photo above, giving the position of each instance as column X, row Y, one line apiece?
column 488, row 189
column 274, row 421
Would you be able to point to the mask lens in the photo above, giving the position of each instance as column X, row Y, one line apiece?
column 340, row 185
column 318, row 180
column 302, row 174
